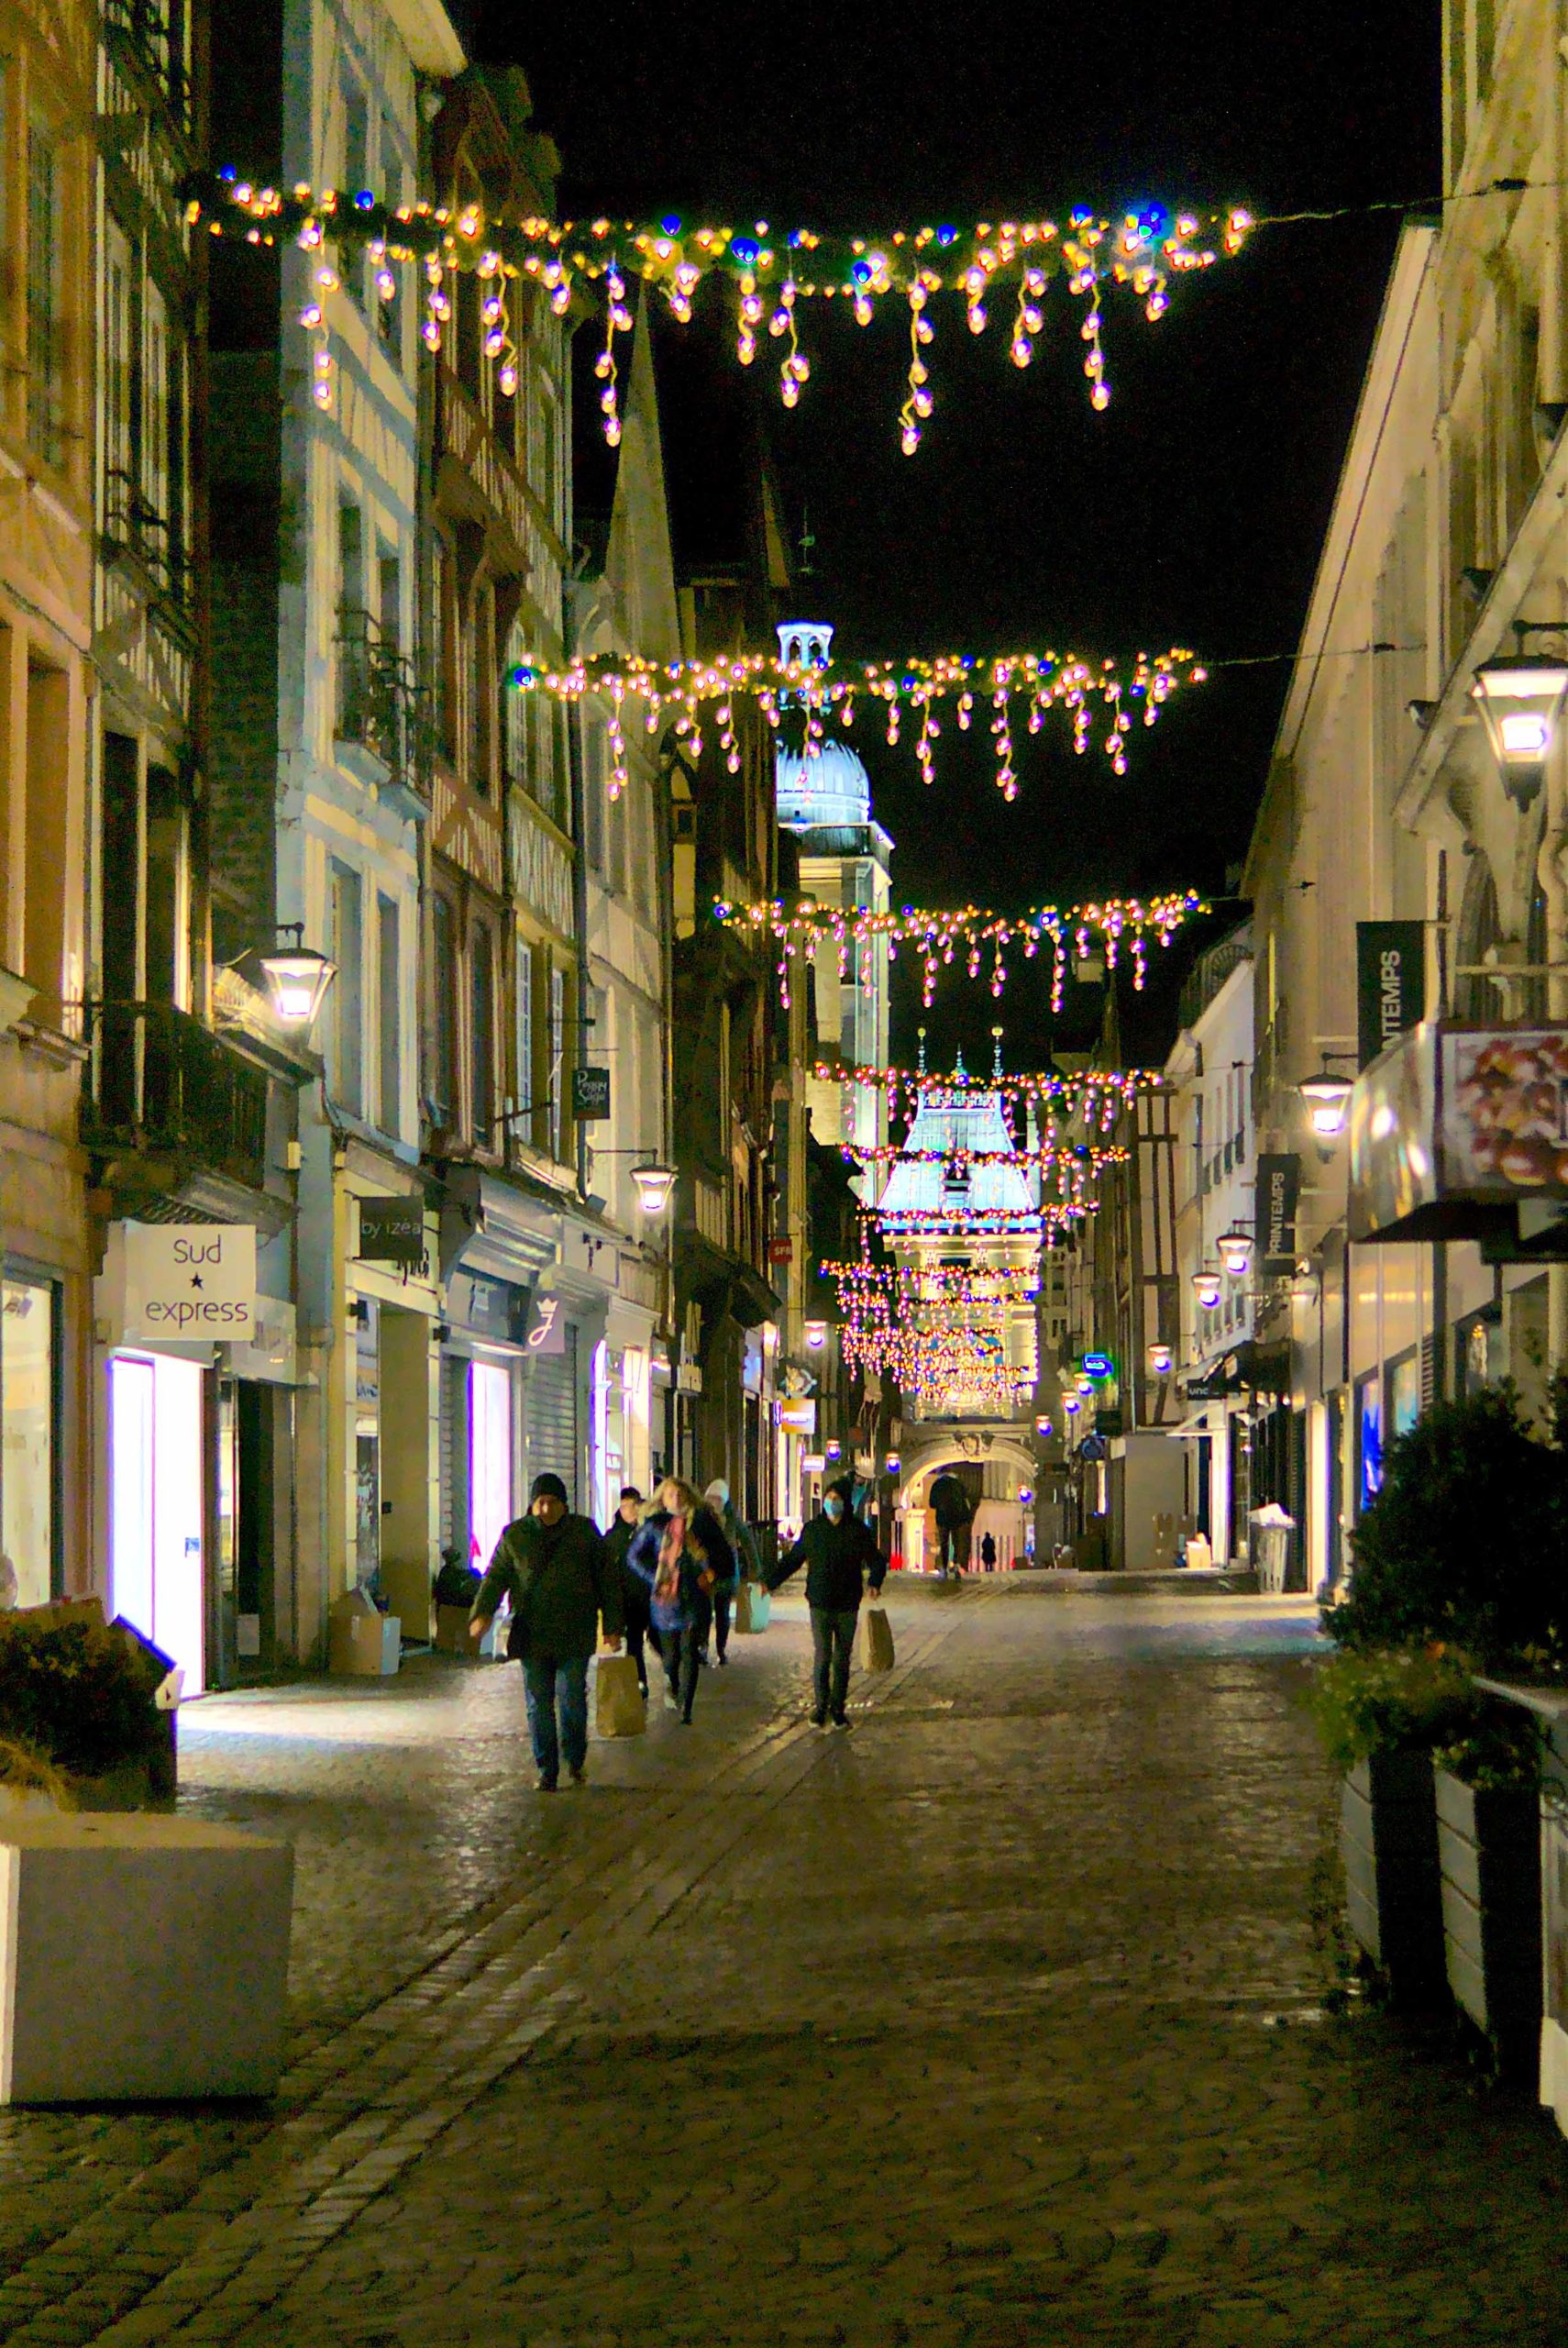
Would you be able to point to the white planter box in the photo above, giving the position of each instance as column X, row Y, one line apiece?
column 140, row 1956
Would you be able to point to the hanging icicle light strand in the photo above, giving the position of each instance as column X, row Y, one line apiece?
column 978, row 940
column 1097, row 1096
column 1099, row 699
column 1141, row 254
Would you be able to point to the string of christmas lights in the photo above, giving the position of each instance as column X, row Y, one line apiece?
column 1081, row 931
column 642, row 694
column 1097, row 1097
column 771, row 273
column 1051, row 1152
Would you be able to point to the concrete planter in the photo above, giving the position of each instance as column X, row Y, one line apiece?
column 1489, row 1850
column 1393, row 1894
column 139, row 1957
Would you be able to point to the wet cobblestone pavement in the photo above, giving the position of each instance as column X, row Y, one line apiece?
column 1005, row 2020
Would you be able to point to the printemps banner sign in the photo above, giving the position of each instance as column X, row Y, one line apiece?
column 189, row 1282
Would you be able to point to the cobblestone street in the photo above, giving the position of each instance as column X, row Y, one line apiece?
column 1003, row 2020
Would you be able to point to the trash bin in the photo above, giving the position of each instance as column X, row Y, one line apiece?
column 1269, row 1545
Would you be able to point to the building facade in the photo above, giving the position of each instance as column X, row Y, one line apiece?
column 48, row 338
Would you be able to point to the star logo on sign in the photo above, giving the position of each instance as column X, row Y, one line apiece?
column 196, row 1279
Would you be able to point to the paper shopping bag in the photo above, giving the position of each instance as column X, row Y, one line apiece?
column 876, row 1640
column 619, row 1709
column 753, row 1606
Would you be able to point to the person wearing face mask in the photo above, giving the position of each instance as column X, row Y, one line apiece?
column 839, row 1555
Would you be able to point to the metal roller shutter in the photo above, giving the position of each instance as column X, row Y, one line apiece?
column 551, row 1417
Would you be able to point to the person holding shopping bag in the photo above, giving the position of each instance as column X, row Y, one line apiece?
column 748, row 1565
column 839, row 1555
column 554, row 1566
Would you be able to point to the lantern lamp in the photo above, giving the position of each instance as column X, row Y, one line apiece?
column 297, row 978
column 655, row 1185
column 816, row 1334
column 1236, row 1251
column 1520, row 703
column 1208, row 1287
column 1160, row 1359
column 1328, row 1101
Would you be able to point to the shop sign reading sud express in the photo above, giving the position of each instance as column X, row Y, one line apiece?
column 191, row 1281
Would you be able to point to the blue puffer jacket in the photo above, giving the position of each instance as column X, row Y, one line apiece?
column 692, row 1604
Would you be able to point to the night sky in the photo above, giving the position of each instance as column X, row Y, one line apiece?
column 1191, row 512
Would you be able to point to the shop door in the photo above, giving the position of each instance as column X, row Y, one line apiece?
column 28, row 1417
column 155, row 1504
column 489, row 1458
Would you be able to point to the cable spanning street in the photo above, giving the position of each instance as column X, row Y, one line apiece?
column 1009, row 2018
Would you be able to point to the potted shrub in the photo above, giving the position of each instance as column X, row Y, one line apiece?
column 1381, row 1714
column 78, row 1695
column 1459, row 1567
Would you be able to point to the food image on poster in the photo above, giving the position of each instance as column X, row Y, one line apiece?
column 1504, row 1111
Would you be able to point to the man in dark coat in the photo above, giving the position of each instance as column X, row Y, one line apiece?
column 554, row 1566
column 953, row 1511
column 634, row 1589
column 839, row 1554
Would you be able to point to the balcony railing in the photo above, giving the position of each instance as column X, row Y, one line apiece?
column 135, row 529
column 140, row 29
column 379, row 705
column 163, row 1084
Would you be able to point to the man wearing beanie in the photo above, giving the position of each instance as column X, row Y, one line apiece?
column 560, row 1579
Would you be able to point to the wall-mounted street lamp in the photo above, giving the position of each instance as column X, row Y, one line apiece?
column 656, row 1186
column 891, row 1463
column 1042, row 1425
column 1084, row 1384
column 1327, row 1096
column 1235, row 1247
column 297, row 977
column 816, row 1334
column 1072, row 1405
column 1160, row 1359
column 1208, row 1287
column 1520, row 703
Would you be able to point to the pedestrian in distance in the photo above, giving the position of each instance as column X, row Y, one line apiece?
column 554, row 1566
column 634, row 1589
column 747, row 1562
column 839, row 1556
column 680, row 1552
column 989, row 1552
column 953, row 1511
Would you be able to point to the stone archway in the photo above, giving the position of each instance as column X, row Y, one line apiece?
column 950, row 1447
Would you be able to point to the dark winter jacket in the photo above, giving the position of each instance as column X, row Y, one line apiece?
column 560, row 1580
column 741, row 1543
column 691, row 1604
column 634, row 1589
column 838, row 1558
column 950, row 1503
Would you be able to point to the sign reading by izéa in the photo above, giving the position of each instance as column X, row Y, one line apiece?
column 191, row 1280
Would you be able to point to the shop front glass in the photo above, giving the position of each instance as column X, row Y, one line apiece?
column 28, row 1484
column 491, row 1507
column 1368, row 1440
column 155, row 1505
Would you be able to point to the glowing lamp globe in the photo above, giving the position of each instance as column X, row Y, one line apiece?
column 655, row 1186
column 297, row 981
column 1235, row 1251
column 1071, row 1404
column 816, row 1334
column 1160, row 1360
column 1520, row 703
column 1328, row 1102
column 1208, row 1287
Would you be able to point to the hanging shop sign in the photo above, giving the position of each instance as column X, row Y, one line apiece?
column 781, row 1251
column 1278, row 1198
column 191, row 1281
column 391, row 1231
column 1390, row 983
column 1462, row 1132
column 798, row 1418
column 589, row 1094
column 546, row 1325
